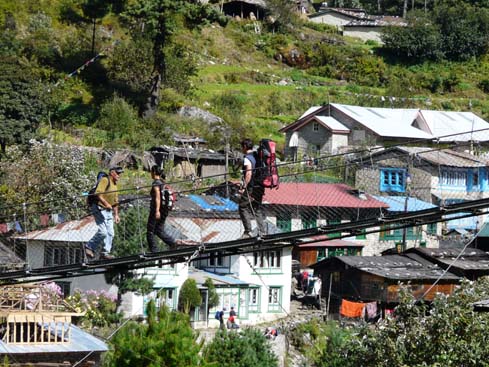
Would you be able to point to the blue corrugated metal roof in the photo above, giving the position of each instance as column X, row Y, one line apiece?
column 397, row 203
column 81, row 341
column 218, row 204
column 219, row 280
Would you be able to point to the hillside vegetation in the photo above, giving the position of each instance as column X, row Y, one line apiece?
column 113, row 73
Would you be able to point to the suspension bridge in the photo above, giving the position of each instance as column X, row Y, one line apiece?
column 372, row 199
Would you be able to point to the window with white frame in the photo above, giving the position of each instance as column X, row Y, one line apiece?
column 274, row 299
column 267, row 259
column 254, row 300
column 166, row 296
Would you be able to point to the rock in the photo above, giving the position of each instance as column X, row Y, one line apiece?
column 198, row 113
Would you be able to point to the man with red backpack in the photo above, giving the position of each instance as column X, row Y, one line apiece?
column 251, row 193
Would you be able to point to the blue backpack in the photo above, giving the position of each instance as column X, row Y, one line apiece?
column 92, row 198
column 217, row 316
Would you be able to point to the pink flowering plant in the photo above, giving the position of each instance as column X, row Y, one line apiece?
column 100, row 308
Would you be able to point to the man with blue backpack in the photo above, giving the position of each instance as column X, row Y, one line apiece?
column 103, row 201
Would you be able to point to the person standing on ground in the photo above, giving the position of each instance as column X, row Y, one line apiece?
column 105, row 211
column 221, row 319
column 158, row 212
column 251, row 193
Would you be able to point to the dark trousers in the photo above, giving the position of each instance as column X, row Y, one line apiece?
column 250, row 207
column 157, row 227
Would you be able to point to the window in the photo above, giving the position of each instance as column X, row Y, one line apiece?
column 321, row 254
column 62, row 255
column 309, row 220
column 254, row 300
column 166, row 296
column 455, row 178
column 387, row 234
column 392, row 180
column 267, row 259
column 284, row 222
column 215, row 259
column 362, row 235
column 431, row 228
column 315, row 126
column 274, row 299
column 65, row 288
column 332, row 222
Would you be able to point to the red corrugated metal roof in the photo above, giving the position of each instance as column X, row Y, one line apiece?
column 315, row 194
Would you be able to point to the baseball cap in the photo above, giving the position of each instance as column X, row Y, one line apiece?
column 118, row 169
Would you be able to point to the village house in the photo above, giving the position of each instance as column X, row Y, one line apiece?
column 356, row 22
column 296, row 206
column 36, row 330
column 336, row 128
column 245, row 9
column 441, row 177
column 377, row 279
column 187, row 162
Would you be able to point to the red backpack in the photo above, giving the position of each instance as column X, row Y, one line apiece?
column 266, row 165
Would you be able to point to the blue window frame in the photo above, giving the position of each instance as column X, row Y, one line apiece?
column 392, row 180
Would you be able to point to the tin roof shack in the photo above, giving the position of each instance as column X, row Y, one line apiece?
column 36, row 330
column 186, row 162
column 245, row 9
column 471, row 263
column 8, row 259
column 378, row 278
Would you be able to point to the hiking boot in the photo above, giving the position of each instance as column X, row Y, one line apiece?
column 245, row 235
column 106, row 256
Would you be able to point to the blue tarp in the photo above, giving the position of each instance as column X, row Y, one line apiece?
column 463, row 223
column 223, row 204
column 397, row 203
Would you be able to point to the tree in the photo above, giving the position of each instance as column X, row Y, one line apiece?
column 446, row 333
column 283, row 13
column 93, row 10
column 23, row 103
column 166, row 340
column 189, row 297
column 159, row 21
column 420, row 40
column 249, row 348
column 213, row 298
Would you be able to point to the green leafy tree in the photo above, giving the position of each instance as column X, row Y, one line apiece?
column 189, row 296
column 166, row 340
column 420, row 40
column 23, row 103
column 213, row 300
column 249, row 348
column 446, row 333
column 159, row 21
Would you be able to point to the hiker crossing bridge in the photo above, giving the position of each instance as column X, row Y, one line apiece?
column 360, row 202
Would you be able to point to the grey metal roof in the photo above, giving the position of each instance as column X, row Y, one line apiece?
column 394, row 267
column 81, row 341
column 8, row 258
column 471, row 258
column 445, row 157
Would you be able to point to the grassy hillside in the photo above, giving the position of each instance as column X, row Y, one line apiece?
column 257, row 82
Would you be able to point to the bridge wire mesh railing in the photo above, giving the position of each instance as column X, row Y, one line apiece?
column 323, row 192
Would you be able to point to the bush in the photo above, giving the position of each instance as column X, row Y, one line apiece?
column 249, row 348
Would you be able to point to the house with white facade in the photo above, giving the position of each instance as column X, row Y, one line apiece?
column 257, row 284
column 337, row 127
